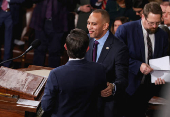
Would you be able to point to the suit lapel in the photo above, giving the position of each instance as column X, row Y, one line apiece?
column 91, row 48
column 106, row 48
column 141, row 39
column 157, row 44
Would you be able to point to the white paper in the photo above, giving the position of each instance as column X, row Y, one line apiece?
column 28, row 102
column 160, row 74
column 42, row 72
column 161, row 69
column 160, row 63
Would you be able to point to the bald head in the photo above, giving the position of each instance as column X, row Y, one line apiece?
column 98, row 23
column 104, row 15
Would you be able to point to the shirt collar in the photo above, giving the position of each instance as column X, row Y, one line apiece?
column 70, row 59
column 144, row 30
column 103, row 39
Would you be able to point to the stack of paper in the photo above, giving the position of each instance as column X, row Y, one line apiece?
column 161, row 68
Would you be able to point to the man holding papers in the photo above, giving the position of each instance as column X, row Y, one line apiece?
column 145, row 41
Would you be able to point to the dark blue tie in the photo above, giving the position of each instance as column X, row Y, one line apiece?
column 95, row 50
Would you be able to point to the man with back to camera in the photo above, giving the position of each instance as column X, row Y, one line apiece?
column 73, row 89
column 113, row 55
column 145, row 41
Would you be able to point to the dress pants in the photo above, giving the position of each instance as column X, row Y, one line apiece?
column 110, row 107
column 6, row 18
column 51, row 41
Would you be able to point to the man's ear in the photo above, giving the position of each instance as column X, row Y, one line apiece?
column 143, row 17
column 65, row 46
column 87, row 48
column 106, row 26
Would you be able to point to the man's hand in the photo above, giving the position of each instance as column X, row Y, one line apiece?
column 145, row 68
column 85, row 8
column 159, row 81
column 108, row 91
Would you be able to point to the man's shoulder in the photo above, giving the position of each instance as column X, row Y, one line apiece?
column 132, row 23
column 117, row 41
column 86, row 63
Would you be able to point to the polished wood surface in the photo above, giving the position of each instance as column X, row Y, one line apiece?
column 10, row 108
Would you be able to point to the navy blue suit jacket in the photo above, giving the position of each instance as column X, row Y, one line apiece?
column 114, row 56
column 131, row 33
column 73, row 89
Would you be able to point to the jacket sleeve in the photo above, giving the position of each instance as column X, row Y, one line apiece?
column 50, row 93
column 134, row 65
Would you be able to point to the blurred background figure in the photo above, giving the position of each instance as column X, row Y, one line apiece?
column 83, row 9
column 164, row 4
column 50, row 21
column 138, row 6
column 9, row 16
column 166, row 17
column 117, row 8
column 166, row 29
column 118, row 21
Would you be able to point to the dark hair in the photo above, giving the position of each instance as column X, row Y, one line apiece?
column 104, row 13
column 139, row 3
column 122, row 19
column 152, row 7
column 77, row 42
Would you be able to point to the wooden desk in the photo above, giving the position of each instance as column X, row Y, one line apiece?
column 12, row 109
column 9, row 109
column 155, row 105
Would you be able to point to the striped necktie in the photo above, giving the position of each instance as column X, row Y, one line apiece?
column 149, row 43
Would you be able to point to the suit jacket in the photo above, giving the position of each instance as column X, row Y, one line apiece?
column 15, row 6
column 83, row 17
column 114, row 57
column 131, row 33
column 72, row 89
column 60, row 10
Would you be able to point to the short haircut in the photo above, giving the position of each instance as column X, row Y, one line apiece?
column 77, row 42
column 104, row 13
column 139, row 3
column 152, row 7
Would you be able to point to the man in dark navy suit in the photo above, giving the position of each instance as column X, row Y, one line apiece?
column 145, row 41
column 9, row 15
column 113, row 55
column 50, row 21
column 72, row 90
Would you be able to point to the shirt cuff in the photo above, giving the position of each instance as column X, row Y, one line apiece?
column 114, row 89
